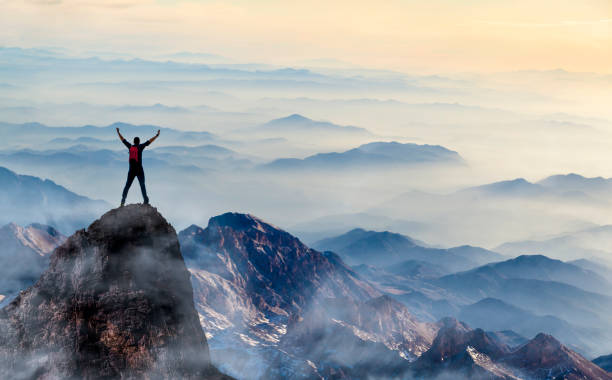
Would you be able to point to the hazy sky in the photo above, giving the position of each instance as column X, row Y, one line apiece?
column 407, row 35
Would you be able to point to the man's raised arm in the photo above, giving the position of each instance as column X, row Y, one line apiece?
column 124, row 141
column 153, row 138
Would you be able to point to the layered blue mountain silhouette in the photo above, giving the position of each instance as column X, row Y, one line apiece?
column 383, row 154
column 604, row 361
column 27, row 199
column 299, row 124
column 590, row 243
column 383, row 249
column 32, row 133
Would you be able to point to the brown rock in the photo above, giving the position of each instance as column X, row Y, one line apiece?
column 116, row 302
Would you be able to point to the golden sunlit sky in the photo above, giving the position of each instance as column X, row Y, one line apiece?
column 406, row 35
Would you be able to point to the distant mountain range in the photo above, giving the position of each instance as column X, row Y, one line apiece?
column 28, row 134
column 576, row 183
column 461, row 352
column 296, row 123
column 489, row 215
column 303, row 134
column 590, row 243
column 90, row 169
column 89, row 156
column 569, row 186
column 384, row 249
column 505, row 280
column 543, row 287
column 521, row 294
column 380, row 154
column 332, row 225
column 496, row 315
column 26, row 199
column 543, row 268
column 505, row 210
column 604, row 362
column 594, row 266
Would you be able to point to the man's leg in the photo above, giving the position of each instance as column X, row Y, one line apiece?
column 130, row 179
column 143, row 188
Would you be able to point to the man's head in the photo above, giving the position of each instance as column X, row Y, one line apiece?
column 136, row 140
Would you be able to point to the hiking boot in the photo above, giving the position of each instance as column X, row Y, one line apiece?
column 122, row 204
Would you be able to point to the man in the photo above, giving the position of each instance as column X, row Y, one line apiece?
column 136, row 169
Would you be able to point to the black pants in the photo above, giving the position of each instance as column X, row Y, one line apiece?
column 135, row 172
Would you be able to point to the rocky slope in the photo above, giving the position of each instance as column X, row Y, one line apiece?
column 116, row 302
column 545, row 357
column 461, row 352
column 348, row 339
column 464, row 353
column 24, row 254
column 260, row 288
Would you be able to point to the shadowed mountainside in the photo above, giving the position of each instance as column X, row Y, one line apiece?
column 461, row 352
column 115, row 302
column 26, row 199
column 259, row 288
column 604, row 362
column 383, row 249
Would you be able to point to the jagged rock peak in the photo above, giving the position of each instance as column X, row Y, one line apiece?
column 240, row 222
column 243, row 231
column 116, row 302
column 545, row 357
column 451, row 323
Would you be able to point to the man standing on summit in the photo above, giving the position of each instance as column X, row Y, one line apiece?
column 136, row 169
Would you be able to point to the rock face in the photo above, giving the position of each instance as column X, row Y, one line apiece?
column 377, row 338
column 297, row 312
column 116, row 302
column 257, row 270
column 459, row 352
column 545, row 357
column 25, row 254
column 464, row 353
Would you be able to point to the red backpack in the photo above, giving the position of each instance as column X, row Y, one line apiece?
column 134, row 153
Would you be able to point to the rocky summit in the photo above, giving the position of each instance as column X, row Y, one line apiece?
column 294, row 311
column 115, row 302
column 459, row 352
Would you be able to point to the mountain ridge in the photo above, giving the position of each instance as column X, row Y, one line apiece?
column 276, row 294
column 360, row 246
column 31, row 199
column 389, row 154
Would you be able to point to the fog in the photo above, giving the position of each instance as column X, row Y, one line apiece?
column 529, row 124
